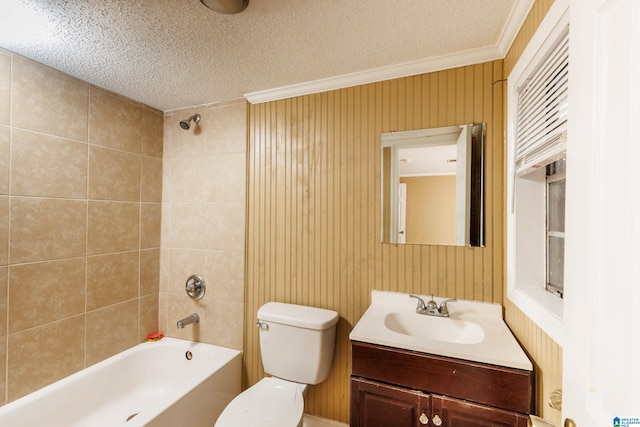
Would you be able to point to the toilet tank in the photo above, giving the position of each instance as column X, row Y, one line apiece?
column 297, row 341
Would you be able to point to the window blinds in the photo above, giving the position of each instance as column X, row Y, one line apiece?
column 542, row 113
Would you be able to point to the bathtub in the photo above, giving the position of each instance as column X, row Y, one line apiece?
column 167, row 383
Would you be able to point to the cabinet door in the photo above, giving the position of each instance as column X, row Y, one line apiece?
column 449, row 412
column 376, row 404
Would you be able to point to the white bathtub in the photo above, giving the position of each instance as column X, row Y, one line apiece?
column 152, row 384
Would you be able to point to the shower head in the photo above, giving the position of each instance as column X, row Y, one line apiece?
column 186, row 124
column 226, row 6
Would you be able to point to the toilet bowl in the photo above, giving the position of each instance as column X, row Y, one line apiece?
column 272, row 402
column 296, row 345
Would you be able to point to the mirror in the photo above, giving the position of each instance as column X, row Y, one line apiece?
column 432, row 186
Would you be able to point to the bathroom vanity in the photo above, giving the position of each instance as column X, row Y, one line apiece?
column 413, row 370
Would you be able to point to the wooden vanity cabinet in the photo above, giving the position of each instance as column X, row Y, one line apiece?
column 394, row 387
column 378, row 404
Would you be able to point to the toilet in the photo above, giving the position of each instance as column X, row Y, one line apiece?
column 296, row 344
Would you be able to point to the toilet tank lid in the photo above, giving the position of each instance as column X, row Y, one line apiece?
column 298, row 315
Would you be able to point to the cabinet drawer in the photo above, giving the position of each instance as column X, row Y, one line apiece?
column 505, row 388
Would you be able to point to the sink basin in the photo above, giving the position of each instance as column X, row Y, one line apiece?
column 475, row 331
column 443, row 329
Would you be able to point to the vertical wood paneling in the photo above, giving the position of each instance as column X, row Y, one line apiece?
column 314, row 207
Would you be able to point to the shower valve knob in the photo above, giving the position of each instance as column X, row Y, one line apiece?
column 195, row 287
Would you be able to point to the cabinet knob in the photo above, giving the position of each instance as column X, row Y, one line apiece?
column 437, row 420
column 423, row 419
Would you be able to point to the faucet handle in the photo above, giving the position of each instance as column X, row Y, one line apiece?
column 444, row 310
column 422, row 307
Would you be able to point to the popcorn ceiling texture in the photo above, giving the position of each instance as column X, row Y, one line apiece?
column 172, row 54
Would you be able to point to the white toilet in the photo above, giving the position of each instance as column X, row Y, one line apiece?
column 296, row 343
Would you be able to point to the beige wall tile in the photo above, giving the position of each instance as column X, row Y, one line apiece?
column 61, row 166
column 112, row 279
column 182, row 264
column 149, row 272
column 227, row 128
column 111, row 330
column 4, row 159
column 113, row 227
column 226, row 272
column 5, row 88
column 4, row 295
column 4, row 230
column 151, row 131
column 187, row 228
column 203, row 211
column 46, row 229
column 113, row 175
column 164, row 269
column 188, row 179
column 224, row 226
column 151, row 178
column 223, row 323
column 48, row 101
column 114, row 121
column 148, row 316
column 150, row 224
column 43, row 355
column 168, row 137
column 226, row 178
column 60, row 292
column 163, row 306
column 179, row 307
column 3, row 372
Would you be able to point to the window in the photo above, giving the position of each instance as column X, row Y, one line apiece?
column 537, row 120
column 556, row 179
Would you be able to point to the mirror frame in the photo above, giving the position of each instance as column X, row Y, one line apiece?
column 472, row 188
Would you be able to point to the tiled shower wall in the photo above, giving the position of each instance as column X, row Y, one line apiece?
column 80, row 215
column 203, row 222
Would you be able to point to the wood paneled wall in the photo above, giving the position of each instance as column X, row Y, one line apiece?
column 313, row 207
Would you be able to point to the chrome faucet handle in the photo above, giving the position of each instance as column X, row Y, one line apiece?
column 422, row 307
column 444, row 310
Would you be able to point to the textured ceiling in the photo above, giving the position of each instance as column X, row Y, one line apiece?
column 171, row 54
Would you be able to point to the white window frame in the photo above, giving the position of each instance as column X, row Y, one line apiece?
column 532, row 298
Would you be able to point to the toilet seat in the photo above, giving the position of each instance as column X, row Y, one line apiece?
column 272, row 402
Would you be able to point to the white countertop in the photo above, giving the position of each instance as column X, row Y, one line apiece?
column 499, row 346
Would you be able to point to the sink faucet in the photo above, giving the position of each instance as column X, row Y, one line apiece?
column 194, row 318
column 431, row 308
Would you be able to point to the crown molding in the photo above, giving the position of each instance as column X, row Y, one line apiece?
column 514, row 23
column 412, row 68
column 406, row 69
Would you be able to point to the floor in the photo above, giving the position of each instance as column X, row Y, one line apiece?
column 312, row 421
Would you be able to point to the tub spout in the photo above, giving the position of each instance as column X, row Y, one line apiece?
column 194, row 318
